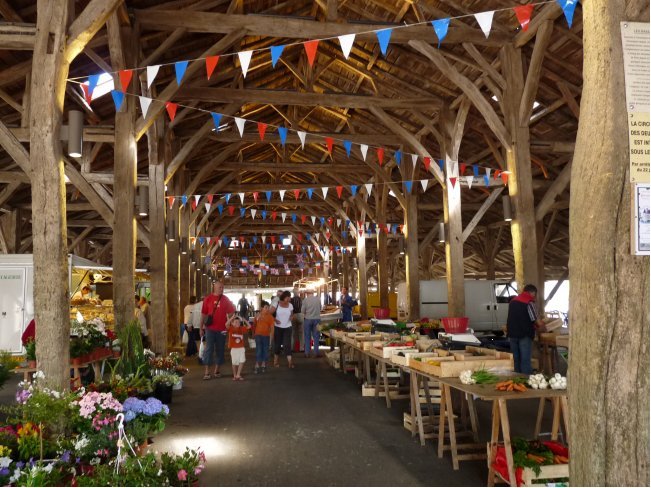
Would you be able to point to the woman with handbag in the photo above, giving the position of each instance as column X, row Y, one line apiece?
column 283, row 329
column 215, row 312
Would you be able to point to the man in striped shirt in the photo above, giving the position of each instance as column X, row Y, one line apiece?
column 521, row 325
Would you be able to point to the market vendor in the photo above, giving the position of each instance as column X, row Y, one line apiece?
column 521, row 325
column 346, row 302
column 84, row 294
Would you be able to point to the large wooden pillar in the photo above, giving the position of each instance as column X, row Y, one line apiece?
column 124, row 189
column 410, row 230
column 334, row 274
column 361, row 274
column 196, row 270
column 173, row 274
column 158, row 240
column 184, row 254
column 518, row 162
column 345, row 261
column 382, row 254
column 51, row 301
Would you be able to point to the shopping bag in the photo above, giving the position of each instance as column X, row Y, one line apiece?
column 251, row 343
column 202, row 348
column 185, row 338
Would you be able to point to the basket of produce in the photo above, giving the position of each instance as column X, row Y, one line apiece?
column 536, row 462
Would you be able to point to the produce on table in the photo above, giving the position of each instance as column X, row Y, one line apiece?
column 538, row 382
column 481, row 376
column 558, row 382
column 515, row 384
column 530, row 454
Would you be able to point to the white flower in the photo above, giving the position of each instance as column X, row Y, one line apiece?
column 95, row 461
column 48, row 468
column 5, row 462
column 39, row 375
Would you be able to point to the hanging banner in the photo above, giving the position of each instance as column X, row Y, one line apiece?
column 635, row 45
column 641, row 225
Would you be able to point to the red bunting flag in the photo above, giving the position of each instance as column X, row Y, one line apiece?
column 297, row 194
column 453, row 181
column 125, row 78
column 211, row 64
column 274, row 214
column 210, row 198
column 299, row 236
column 380, row 155
column 505, row 178
column 231, row 209
column 402, row 228
column 171, row 201
column 427, row 161
column 523, row 13
column 303, row 218
column 339, row 190
column 330, row 221
column 273, row 239
column 327, row 235
column 171, row 110
column 497, row 173
column 462, row 169
column 87, row 94
column 329, row 143
column 255, row 196
column 310, row 50
column 262, row 128
column 194, row 204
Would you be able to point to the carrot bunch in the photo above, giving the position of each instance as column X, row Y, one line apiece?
column 510, row 385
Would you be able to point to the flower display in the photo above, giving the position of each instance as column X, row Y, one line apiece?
column 94, row 401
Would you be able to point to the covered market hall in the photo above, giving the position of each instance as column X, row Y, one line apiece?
column 324, row 243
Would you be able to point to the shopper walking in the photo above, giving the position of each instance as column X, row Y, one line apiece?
column 311, row 317
column 297, row 322
column 243, row 307
column 215, row 311
column 283, row 329
column 140, row 317
column 521, row 324
column 264, row 326
column 237, row 328
column 195, row 327
column 188, row 312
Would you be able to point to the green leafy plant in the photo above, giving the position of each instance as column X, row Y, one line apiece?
column 133, row 356
column 7, row 364
column 166, row 379
column 30, row 350
column 140, row 471
column 183, row 469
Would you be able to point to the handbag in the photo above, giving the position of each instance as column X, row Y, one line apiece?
column 202, row 348
column 251, row 343
column 185, row 338
column 209, row 319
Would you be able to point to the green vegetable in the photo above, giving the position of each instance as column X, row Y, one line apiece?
column 481, row 377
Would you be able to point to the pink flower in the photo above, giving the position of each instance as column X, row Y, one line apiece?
column 182, row 475
column 197, row 471
column 202, row 456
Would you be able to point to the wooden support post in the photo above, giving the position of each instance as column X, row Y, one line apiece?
column 518, row 160
column 124, row 189
column 382, row 260
column 157, row 246
column 345, row 258
column 361, row 274
column 334, row 273
column 454, row 248
column 196, row 269
column 411, row 236
column 184, row 255
column 51, row 300
column 173, row 277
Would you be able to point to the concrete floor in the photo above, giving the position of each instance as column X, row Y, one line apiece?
column 308, row 427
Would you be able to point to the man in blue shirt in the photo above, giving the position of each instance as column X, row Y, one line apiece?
column 346, row 302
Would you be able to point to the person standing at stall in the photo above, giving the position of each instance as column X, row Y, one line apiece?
column 521, row 324
column 215, row 311
column 283, row 329
column 346, row 302
column 311, row 317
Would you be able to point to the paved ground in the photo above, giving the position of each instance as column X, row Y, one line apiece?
column 308, row 427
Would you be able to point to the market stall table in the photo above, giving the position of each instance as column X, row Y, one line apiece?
column 97, row 364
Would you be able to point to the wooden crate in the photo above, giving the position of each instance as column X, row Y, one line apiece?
column 366, row 341
column 401, row 360
column 452, row 369
column 489, row 352
column 394, row 391
column 428, row 368
column 529, row 477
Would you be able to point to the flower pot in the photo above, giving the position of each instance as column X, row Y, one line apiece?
column 31, row 363
column 179, row 385
column 163, row 393
column 116, row 354
column 75, row 361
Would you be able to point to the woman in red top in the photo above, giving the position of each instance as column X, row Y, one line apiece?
column 218, row 307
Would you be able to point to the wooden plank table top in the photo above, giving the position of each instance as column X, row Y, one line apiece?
column 489, row 393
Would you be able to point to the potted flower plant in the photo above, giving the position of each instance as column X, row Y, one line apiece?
column 30, row 353
column 163, row 383
column 183, row 469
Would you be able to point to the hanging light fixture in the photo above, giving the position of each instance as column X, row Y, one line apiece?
column 442, row 232
column 75, row 133
column 354, row 263
column 506, row 205
column 143, row 201
column 401, row 246
column 183, row 245
column 171, row 230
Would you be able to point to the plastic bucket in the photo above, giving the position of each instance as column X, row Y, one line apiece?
column 381, row 313
column 455, row 325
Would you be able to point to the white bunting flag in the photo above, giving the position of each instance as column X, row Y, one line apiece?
column 423, row 183
column 316, row 237
column 364, row 149
column 292, row 246
column 369, row 188
column 414, row 159
column 196, row 200
column 145, row 102
column 469, row 180
column 485, row 21
column 208, row 240
column 253, row 212
column 282, row 194
column 245, row 59
column 264, row 239
column 283, row 216
column 346, row 44
column 301, row 136
column 366, row 225
column 313, row 219
column 388, row 228
column 338, row 222
column 240, row 125
column 488, row 172
column 219, row 243
column 274, row 246
column 324, row 190
column 207, row 205
column 152, row 71
column 241, row 197
column 453, row 168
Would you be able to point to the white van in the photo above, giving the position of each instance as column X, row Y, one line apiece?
column 487, row 302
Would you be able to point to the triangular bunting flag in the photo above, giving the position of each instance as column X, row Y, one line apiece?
column 227, row 197
column 274, row 246
column 338, row 222
column 274, row 214
column 125, row 78
column 348, row 145
column 93, row 80
column 253, row 213
column 523, row 13
column 301, row 136
column 171, row 201
column 462, row 168
column 255, row 196
column 171, row 110
column 339, row 189
column 383, row 37
column 346, row 43
column 297, row 193
column 485, row 21
column 364, row 149
column 424, row 183
column 329, row 142
column 568, row 7
column 380, row 155
column 408, row 185
column 310, row 50
column 486, row 180
column 118, row 98
column 353, row 189
column 87, row 96
column 245, row 59
column 264, row 239
column 179, row 69
column 211, row 64
column 505, row 177
column 268, row 195
column 324, row 190
column 276, row 51
column 427, row 161
column 241, row 194
column 414, row 160
column 196, row 201
column 282, row 194
column 488, row 172
column 369, row 188
column 220, row 208
column 184, row 200
column 217, row 119
column 239, row 122
column 398, row 157
column 441, row 28
column 313, row 218
column 152, row 71
column 282, row 132
column 242, row 211
column 207, row 206
column 309, row 193
column 469, row 180
column 262, row 128
column 453, row 180
column 475, row 170
column 145, row 102
column 283, row 215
